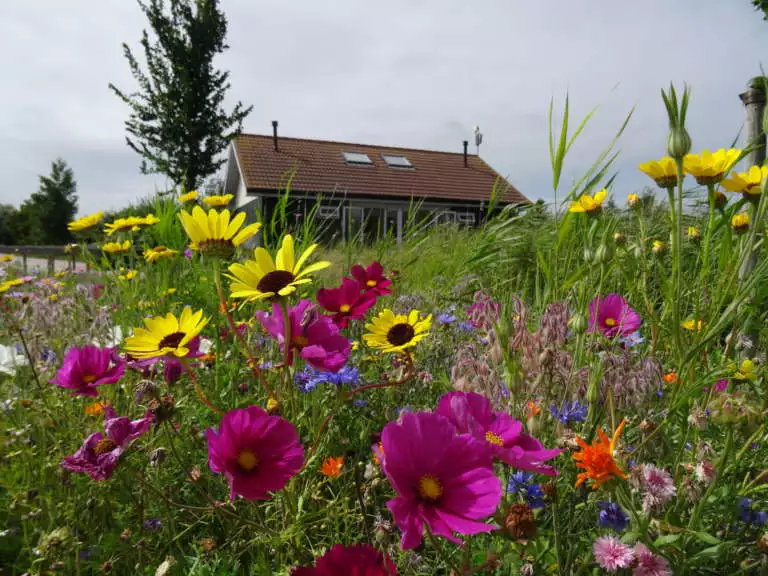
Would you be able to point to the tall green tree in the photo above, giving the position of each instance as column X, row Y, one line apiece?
column 178, row 124
column 761, row 5
column 44, row 216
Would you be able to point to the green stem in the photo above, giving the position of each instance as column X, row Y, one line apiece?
column 441, row 552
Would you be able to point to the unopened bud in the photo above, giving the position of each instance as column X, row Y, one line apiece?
column 658, row 247
column 678, row 142
column 633, row 200
column 720, row 200
column 273, row 406
column 619, row 239
column 579, row 323
column 694, row 235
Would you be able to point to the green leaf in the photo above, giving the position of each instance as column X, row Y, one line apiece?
column 706, row 538
column 666, row 540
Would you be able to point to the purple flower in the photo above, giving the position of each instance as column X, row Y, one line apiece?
column 309, row 379
column 502, row 435
column 443, row 480
column 749, row 515
column 315, row 337
column 612, row 516
column 657, row 486
column 153, row 524
column 570, row 412
column 99, row 454
column 648, row 564
column 86, row 368
column 466, row 327
column 612, row 316
column 520, row 483
column 188, row 254
column 632, row 340
column 446, row 318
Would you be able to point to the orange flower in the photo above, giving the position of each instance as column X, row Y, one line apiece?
column 95, row 409
column 332, row 467
column 597, row 459
column 378, row 453
column 532, row 409
column 671, row 378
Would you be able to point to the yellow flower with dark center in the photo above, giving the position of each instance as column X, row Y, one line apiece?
column 740, row 223
column 662, row 171
column 633, row 200
column 694, row 235
column 6, row 258
column 218, row 201
column 710, row 167
column 214, row 233
column 190, row 196
column 116, row 247
column 267, row 278
column 129, row 224
column 589, row 204
column 149, row 220
column 154, row 254
column 694, row 325
column 748, row 183
column 658, row 247
column 130, row 275
column 390, row 332
column 85, row 222
column 166, row 335
column 13, row 283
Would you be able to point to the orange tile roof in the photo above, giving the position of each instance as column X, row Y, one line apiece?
column 320, row 167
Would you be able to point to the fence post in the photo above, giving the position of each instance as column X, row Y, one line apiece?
column 24, row 261
column 51, row 265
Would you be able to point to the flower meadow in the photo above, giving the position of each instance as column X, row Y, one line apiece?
column 570, row 391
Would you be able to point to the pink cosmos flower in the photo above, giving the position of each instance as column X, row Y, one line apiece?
column 372, row 279
column 346, row 302
column 88, row 367
column 648, row 564
column 442, row 479
column 256, row 452
column 657, row 486
column 502, row 435
column 613, row 316
column 315, row 337
column 360, row 560
column 611, row 554
column 721, row 385
column 99, row 454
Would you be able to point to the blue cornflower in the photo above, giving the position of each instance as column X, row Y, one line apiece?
column 570, row 412
column 153, row 524
column 750, row 516
column 466, row 327
column 309, row 379
column 520, row 483
column 612, row 516
column 446, row 318
column 632, row 339
column 48, row 355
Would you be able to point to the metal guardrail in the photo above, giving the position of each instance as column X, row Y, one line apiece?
column 71, row 253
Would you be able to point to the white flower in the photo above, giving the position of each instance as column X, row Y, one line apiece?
column 10, row 359
column 205, row 345
column 112, row 338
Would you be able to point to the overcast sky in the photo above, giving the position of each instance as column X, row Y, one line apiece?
column 418, row 73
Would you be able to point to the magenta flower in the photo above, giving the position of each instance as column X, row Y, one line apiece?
column 502, row 435
column 86, row 368
column 613, row 316
column 611, row 554
column 359, row 560
column 315, row 337
column 99, row 454
column 346, row 302
column 372, row 279
column 648, row 564
column 256, row 452
column 443, row 479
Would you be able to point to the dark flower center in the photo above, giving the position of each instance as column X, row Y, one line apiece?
column 172, row 340
column 400, row 334
column 103, row 446
column 275, row 281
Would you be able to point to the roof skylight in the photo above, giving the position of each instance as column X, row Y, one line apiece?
column 394, row 161
column 356, row 158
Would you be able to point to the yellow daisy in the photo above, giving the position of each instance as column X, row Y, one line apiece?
column 148, row 220
column 709, row 167
column 694, row 325
column 190, row 196
column 6, row 258
column 747, row 370
column 130, row 275
column 390, row 332
column 662, row 171
column 154, row 254
column 658, row 247
column 85, row 222
column 13, row 283
column 740, row 223
column 633, row 200
column 218, row 201
column 130, row 224
column 116, row 247
column 748, row 183
column 215, row 233
column 589, row 204
column 166, row 336
column 265, row 278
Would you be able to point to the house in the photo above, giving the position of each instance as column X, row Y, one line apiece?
column 362, row 188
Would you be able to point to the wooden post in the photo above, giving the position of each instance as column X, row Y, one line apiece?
column 24, row 261
column 51, row 265
column 754, row 102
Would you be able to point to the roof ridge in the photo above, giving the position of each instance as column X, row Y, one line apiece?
column 321, row 141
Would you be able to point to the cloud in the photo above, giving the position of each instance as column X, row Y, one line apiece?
column 415, row 73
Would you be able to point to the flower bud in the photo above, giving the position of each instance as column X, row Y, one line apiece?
column 619, row 239
column 694, row 235
column 740, row 223
column 601, row 254
column 273, row 406
column 658, row 247
column 678, row 142
column 633, row 200
column 720, row 200
column 579, row 323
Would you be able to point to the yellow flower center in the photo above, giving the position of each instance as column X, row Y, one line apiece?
column 344, row 308
column 430, row 488
column 610, row 322
column 89, row 378
column 371, row 283
column 494, row 439
column 103, row 446
column 299, row 341
column 247, row 460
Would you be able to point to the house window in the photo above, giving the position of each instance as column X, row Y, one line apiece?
column 328, row 212
column 465, row 218
column 394, row 161
column 356, row 158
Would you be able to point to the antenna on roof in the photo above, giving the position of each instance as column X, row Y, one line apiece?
column 478, row 139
